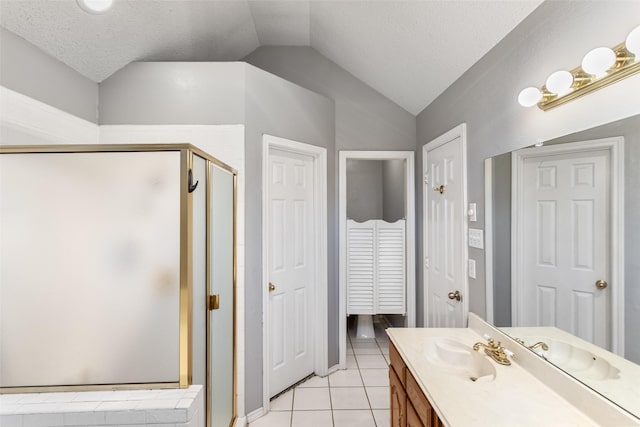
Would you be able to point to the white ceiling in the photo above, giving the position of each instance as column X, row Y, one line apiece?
column 410, row 51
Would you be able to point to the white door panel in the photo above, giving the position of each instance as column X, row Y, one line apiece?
column 446, row 242
column 291, row 268
column 566, row 241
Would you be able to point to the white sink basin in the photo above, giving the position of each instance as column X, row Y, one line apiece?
column 459, row 359
column 574, row 360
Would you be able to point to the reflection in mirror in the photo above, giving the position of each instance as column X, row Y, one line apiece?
column 610, row 375
column 566, row 234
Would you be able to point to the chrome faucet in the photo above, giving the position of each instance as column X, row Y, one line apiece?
column 493, row 350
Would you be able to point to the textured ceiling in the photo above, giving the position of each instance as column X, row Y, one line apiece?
column 410, row 51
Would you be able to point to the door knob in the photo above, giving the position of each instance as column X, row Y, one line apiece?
column 455, row 295
column 601, row 284
column 439, row 189
column 272, row 287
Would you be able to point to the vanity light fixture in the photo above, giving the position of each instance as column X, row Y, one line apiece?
column 559, row 82
column 598, row 61
column 633, row 41
column 95, row 6
column 600, row 67
column 529, row 96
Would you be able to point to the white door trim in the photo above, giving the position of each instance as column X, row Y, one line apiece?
column 408, row 157
column 615, row 146
column 320, row 233
column 459, row 131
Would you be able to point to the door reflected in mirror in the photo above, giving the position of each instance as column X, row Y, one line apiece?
column 565, row 236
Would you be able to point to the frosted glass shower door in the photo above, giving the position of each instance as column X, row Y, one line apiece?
column 89, row 268
column 221, row 332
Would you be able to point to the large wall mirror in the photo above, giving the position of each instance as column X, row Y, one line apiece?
column 563, row 220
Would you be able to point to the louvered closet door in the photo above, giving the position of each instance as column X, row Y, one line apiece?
column 390, row 269
column 376, row 267
column 360, row 267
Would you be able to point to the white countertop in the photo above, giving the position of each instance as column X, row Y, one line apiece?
column 514, row 398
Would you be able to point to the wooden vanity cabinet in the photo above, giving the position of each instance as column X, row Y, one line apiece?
column 409, row 406
column 398, row 401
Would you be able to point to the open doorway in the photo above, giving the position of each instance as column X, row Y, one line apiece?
column 377, row 242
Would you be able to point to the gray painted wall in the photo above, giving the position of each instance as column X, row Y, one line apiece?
column 279, row 108
column 364, row 189
column 26, row 69
column 178, row 93
column 556, row 35
column 365, row 119
column 393, row 190
column 501, row 174
column 375, row 189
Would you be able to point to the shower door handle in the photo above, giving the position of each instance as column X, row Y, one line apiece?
column 214, row 302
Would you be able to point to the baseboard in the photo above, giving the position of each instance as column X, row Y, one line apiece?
column 254, row 415
column 334, row 368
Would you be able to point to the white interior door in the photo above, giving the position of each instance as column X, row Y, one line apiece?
column 291, row 268
column 445, row 257
column 566, row 244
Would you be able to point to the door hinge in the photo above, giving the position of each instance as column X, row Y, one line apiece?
column 426, row 178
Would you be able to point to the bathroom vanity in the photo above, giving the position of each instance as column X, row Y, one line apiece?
column 437, row 379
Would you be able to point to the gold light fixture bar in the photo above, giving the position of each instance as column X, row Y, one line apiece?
column 600, row 67
column 627, row 64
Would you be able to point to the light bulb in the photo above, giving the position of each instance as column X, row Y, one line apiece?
column 598, row 61
column 633, row 42
column 95, row 6
column 559, row 82
column 529, row 97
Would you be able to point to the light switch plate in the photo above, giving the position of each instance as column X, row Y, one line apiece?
column 476, row 239
column 472, row 268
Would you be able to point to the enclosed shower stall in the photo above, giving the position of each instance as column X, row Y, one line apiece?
column 117, row 271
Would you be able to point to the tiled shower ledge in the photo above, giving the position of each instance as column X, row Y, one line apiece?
column 165, row 408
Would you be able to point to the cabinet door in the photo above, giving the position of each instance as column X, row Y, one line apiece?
column 397, row 363
column 423, row 409
column 412, row 417
column 398, row 401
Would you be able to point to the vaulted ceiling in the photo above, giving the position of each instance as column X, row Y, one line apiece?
column 410, row 51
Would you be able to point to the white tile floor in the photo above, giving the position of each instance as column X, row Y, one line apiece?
column 355, row 397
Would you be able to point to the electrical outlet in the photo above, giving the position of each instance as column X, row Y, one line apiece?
column 472, row 268
column 476, row 239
